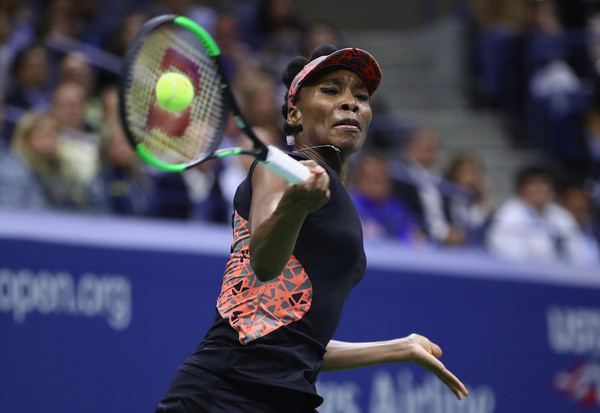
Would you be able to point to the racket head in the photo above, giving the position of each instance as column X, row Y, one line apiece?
column 173, row 141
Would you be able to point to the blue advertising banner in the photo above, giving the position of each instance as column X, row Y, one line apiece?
column 96, row 315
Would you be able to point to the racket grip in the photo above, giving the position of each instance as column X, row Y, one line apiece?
column 285, row 166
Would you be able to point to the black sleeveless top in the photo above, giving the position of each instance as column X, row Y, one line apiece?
column 274, row 333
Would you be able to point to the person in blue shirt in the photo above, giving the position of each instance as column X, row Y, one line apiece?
column 383, row 216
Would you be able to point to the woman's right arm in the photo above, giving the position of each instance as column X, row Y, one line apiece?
column 277, row 212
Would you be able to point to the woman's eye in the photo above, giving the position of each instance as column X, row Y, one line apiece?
column 329, row 90
column 362, row 97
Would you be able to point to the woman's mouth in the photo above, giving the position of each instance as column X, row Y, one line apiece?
column 351, row 124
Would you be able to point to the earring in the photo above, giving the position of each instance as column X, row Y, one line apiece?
column 290, row 140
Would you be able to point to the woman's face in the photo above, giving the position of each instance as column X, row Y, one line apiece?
column 261, row 107
column 68, row 105
column 34, row 70
column 424, row 148
column 43, row 140
column 468, row 175
column 333, row 109
column 373, row 179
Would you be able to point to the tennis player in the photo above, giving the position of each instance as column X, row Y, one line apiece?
column 297, row 252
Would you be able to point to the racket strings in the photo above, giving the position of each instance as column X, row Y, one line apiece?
column 175, row 137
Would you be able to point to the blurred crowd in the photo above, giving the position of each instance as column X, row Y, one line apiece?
column 536, row 63
column 62, row 146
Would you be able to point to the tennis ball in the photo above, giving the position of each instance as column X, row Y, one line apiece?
column 174, row 91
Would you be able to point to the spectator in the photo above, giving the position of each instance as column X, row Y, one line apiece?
column 575, row 14
column 593, row 140
column 36, row 143
column 235, row 168
column 497, row 27
column 135, row 189
column 575, row 199
column 19, row 186
column 129, row 189
column 419, row 183
column 79, row 146
column 277, row 22
column 75, row 67
column 207, row 186
column 317, row 33
column 383, row 216
column 29, row 86
column 557, row 98
column 577, row 19
column 279, row 33
column 116, row 43
column 72, row 19
column 68, row 106
column 260, row 105
column 3, row 141
column 173, row 196
column 17, row 32
column 207, row 202
column 128, row 27
column 592, row 131
column 234, row 51
column 471, row 205
column 203, row 15
column 530, row 225
column 58, row 20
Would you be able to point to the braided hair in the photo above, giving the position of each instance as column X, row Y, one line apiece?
column 294, row 66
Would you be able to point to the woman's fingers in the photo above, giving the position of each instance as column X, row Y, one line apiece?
column 314, row 192
column 457, row 387
column 427, row 358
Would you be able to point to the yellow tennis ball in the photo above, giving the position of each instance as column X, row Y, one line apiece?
column 174, row 91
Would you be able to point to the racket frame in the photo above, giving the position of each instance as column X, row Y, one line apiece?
column 259, row 151
column 271, row 156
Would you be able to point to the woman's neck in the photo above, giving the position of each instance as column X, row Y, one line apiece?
column 326, row 154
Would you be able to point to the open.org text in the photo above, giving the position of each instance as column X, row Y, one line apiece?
column 23, row 292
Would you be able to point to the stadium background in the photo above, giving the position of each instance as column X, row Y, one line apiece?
column 97, row 311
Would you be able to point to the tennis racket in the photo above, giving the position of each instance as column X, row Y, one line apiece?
column 175, row 141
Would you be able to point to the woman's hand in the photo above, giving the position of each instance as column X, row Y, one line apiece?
column 415, row 349
column 311, row 194
column 424, row 354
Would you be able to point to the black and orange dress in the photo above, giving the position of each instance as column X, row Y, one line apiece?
column 266, row 345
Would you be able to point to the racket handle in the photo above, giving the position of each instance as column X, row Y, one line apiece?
column 285, row 166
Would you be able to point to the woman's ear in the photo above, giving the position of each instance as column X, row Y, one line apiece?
column 294, row 117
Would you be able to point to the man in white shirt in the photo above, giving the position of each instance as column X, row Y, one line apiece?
column 531, row 226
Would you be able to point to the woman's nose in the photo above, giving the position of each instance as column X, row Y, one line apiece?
column 349, row 102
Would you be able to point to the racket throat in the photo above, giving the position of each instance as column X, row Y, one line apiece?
column 262, row 154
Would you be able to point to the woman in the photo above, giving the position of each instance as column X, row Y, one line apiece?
column 37, row 146
column 383, row 215
column 297, row 252
column 471, row 205
column 30, row 155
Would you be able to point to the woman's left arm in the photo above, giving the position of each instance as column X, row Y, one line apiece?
column 412, row 349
